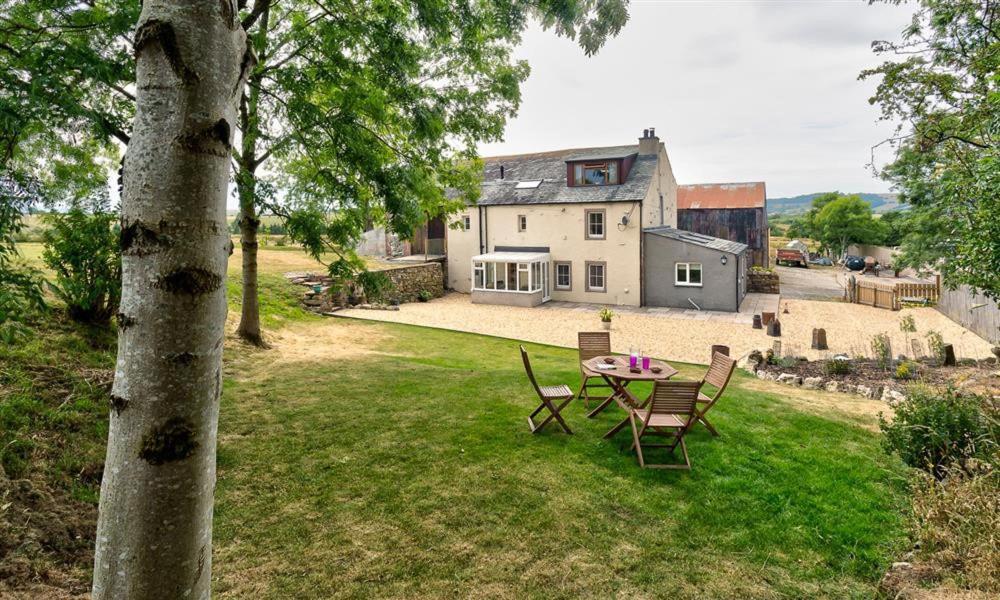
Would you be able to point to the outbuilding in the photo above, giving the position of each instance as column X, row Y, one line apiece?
column 731, row 211
column 682, row 269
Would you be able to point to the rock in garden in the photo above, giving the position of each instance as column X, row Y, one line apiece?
column 812, row 383
column 848, row 388
column 832, row 386
column 890, row 395
column 789, row 379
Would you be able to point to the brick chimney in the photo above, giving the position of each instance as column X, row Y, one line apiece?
column 649, row 143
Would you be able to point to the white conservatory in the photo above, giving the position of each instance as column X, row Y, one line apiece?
column 511, row 278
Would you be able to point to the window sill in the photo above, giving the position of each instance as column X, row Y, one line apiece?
column 591, row 237
column 597, row 291
column 689, row 284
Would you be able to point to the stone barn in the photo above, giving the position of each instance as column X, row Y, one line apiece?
column 731, row 211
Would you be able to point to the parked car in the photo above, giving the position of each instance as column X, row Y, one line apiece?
column 854, row 263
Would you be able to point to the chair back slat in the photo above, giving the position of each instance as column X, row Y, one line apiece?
column 674, row 397
column 527, row 369
column 594, row 343
column 719, row 372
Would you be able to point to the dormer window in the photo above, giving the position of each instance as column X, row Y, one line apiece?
column 596, row 173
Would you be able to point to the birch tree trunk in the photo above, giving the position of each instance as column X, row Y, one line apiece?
column 246, row 184
column 154, row 532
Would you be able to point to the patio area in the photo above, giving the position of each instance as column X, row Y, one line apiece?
column 686, row 335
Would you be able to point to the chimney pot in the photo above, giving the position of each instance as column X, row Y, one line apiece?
column 645, row 133
column 652, row 132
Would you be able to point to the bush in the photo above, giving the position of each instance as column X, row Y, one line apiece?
column 83, row 250
column 933, row 430
column 20, row 287
column 375, row 284
column 935, row 345
column 838, row 366
column 905, row 370
column 882, row 350
column 955, row 525
column 907, row 324
column 424, row 296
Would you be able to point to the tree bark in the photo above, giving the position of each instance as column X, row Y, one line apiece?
column 246, row 184
column 154, row 531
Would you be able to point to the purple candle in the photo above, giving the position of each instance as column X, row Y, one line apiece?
column 645, row 362
column 632, row 360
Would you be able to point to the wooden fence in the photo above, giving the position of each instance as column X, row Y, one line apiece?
column 892, row 295
column 972, row 311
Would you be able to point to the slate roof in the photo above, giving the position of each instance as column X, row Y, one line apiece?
column 550, row 169
column 698, row 239
column 721, row 195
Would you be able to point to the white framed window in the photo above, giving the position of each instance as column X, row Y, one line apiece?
column 466, row 222
column 564, row 275
column 595, row 224
column 688, row 274
column 522, row 222
column 597, row 277
column 479, row 275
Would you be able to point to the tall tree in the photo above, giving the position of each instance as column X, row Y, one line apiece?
column 941, row 85
column 365, row 117
column 842, row 221
column 154, row 532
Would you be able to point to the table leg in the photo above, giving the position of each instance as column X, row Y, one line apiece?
column 631, row 402
column 617, row 388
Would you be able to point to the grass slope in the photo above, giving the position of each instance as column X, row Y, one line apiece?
column 412, row 473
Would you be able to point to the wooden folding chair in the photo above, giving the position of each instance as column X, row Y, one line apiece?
column 670, row 412
column 549, row 394
column 718, row 376
column 591, row 344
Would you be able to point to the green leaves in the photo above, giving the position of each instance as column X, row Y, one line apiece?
column 943, row 86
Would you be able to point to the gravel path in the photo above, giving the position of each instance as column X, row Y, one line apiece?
column 849, row 328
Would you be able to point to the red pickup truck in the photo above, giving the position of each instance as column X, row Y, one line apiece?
column 794, row 253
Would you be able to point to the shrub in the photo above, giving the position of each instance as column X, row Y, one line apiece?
column 20, row 287
column 424, row 295
column 935, row 345
column 882, row 350
column 375, row 284
column 606, row 314
column 83, row 250
column 932, row 430
column 838, row 366
column 905, row 370
column 907, row 324
column 954, row 525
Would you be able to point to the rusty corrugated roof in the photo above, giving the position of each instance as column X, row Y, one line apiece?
column 722, row 195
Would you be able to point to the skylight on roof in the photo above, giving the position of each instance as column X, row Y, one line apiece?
column 528, row 185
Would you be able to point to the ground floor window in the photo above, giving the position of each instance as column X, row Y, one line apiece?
column 597, row 280
column 564, row 275
column 492, row 274
column 688, row 274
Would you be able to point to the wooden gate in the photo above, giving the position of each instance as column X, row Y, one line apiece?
column 893, row 295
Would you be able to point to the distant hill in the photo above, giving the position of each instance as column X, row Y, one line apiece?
column 797, row 205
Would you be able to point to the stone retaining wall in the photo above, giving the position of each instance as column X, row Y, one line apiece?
column 763, row 283
column 408, row 282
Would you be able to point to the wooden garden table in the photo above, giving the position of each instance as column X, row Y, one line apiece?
column 619, row 378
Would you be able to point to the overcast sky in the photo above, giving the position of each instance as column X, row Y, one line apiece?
column 738, row 91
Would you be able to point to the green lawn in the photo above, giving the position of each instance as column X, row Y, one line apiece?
column 412, row 473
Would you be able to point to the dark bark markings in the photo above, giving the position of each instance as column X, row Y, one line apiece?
column 155, row 30
column 137, row 239
column 182, row 358
column 214, row 140
column 171, row 441
column 124, row 321
column 190, row 281
column 118, row 404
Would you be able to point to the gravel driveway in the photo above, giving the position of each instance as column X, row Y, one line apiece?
column 814, row 283
column 849, row 327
